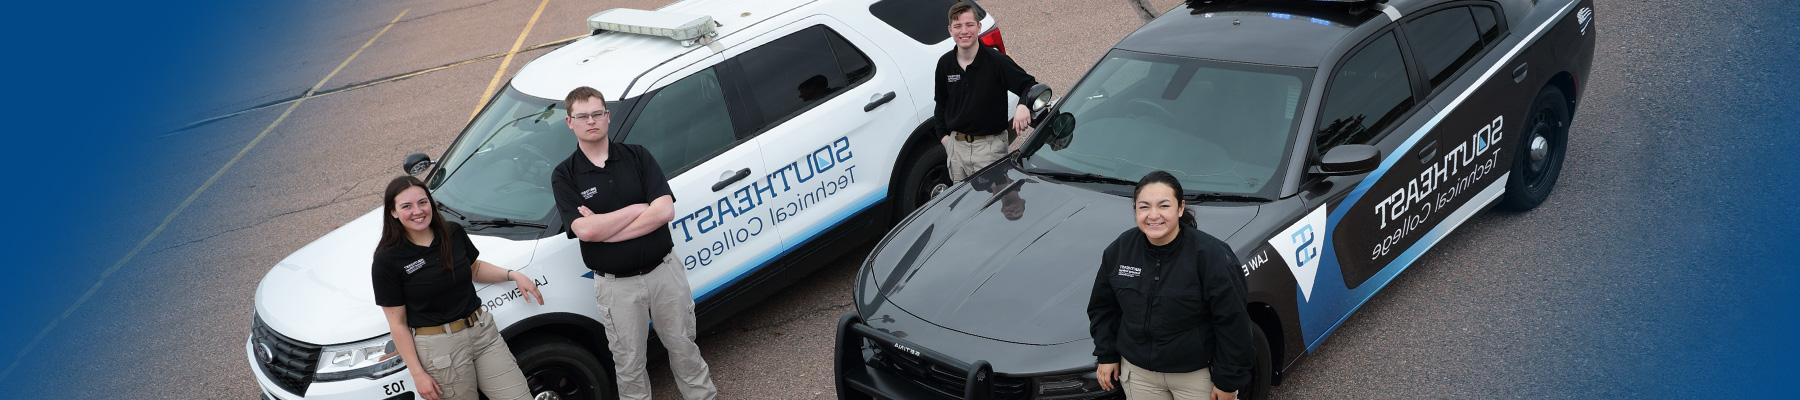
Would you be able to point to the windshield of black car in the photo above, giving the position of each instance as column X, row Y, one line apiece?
column 1219, row 127
column 500, row 167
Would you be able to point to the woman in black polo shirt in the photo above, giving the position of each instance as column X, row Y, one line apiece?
column 422, row 274
column 1169, row 303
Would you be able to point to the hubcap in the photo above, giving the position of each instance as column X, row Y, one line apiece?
column 547, row 396
column 1540, row 148
column 936, row 190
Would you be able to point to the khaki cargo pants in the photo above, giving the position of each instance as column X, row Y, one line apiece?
column 472, row 358
column 1143, row 384
column 964, row 158
column 627, row 308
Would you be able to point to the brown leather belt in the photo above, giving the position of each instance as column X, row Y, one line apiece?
column 451, row 327
column 966, row 138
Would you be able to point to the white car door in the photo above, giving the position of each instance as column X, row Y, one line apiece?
column 834, row 115
column 687, row 126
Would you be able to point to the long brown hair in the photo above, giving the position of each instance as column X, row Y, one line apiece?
column 393, row 233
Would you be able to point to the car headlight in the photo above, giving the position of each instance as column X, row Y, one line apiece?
column 1080, row 386
column 366, row 359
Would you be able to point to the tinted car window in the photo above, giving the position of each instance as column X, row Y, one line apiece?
column 684, row 123
column 1365, row 96
column 1485, row 23
column 852, row 62
column 927, row 21
column 791, row 74
column 1443, row 41
column 1219, row 127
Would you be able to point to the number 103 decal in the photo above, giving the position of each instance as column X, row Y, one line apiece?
column 1299, row 244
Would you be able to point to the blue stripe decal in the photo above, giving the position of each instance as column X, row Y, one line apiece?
column 1381, row 279
column 1330, row 303
column 767, row 257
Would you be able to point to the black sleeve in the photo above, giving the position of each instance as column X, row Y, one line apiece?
column 468, row 245
column 655, row 185
column 1103, row 309
column 938, row 118
column 1223, row 286
column 389, row 292
column 1015, row 79
column 562, row 188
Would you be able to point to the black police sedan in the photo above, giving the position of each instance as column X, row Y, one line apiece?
column 1329, row 143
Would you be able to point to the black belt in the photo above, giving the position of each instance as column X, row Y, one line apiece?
column 966, row 137
column 628, row 274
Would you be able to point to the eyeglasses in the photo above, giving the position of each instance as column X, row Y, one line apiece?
column 591, row 117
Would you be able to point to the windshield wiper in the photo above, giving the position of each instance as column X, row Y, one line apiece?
column 1081, row 177
column 453, row 212
column 1204, row 196
column 504, row 223
column 489, row 223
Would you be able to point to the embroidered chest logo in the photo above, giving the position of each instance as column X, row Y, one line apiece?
column 952, row 78
column 414, row 266
column 1130, row 271
column 589, row 193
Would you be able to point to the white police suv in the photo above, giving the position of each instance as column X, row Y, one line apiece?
column 791, row 130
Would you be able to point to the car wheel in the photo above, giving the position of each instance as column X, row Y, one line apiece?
column 558, row 369
column 1541, row 149
column 1262, row 373
column 926, row 176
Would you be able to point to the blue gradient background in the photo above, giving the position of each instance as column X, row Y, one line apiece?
column 95, row 85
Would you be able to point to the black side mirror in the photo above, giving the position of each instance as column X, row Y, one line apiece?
column 1349, row 159
column 1042, row 98
column 416, row 163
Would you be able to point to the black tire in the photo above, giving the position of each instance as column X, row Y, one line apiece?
column 1533, row 172
column 1262, row 374
column 926, row 174
column 557, row 365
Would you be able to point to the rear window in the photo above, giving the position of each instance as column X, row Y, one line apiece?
column 927, row 21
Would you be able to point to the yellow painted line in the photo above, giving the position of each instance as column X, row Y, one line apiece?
column 190, row 199
column 504, row 62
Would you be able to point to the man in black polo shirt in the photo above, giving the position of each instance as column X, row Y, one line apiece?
column 970, row 87
column 616, row 201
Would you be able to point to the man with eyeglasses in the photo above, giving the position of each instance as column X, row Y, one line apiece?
column 614, row 199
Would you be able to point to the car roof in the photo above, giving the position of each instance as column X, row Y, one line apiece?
column 1297, row 33
column 611, row 61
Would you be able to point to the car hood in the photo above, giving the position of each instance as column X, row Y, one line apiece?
column 962, row 264
column 322, row 293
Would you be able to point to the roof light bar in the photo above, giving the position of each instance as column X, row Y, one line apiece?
column 690, row 29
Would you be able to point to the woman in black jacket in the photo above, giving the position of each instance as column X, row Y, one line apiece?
column 1168, row 303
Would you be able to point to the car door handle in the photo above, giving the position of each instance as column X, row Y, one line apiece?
column 878, row 100
column 1427, row 151
column 729, row 177
column 1519, row 72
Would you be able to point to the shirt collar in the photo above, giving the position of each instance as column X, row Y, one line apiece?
column 582, row 164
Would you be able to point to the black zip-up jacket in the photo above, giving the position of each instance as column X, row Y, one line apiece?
column 1175, row 313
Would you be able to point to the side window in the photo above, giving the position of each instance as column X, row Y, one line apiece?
column 684, row 123
column 1484, row 23
column 927, row 21
column 1443, row 41
column 794, row 73
column 855, row 65
column 1366, row 95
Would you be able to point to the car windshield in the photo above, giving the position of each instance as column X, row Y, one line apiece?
column 1220, row 127
column 499, row 169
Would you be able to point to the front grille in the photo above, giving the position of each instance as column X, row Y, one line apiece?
column 293, row 362
column 939, row 377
